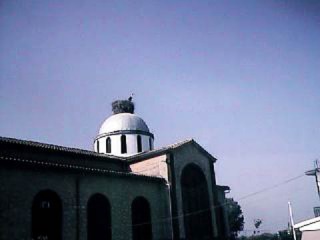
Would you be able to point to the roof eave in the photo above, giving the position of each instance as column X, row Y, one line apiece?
column 58, row 148
column 169, row 149
column 76, row 167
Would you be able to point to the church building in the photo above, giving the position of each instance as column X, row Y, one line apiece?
column 123, row 189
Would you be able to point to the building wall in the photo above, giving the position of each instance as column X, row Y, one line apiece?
column 132, row 145
column 222, row 201
column 19, row 186
column 156, row 166
column 182, row 157
column 159, row 166
column 310, row 235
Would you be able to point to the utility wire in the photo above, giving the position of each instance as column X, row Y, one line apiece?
column 271, row 187
column 213, row 207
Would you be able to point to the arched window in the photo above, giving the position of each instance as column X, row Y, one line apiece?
column 98, row 218
column 123, row 144
column 98, row 149
column 141, row 219
column 108, row 145
column 139, row 143
column 150, row 143
column 196, row 204
column 47, row 216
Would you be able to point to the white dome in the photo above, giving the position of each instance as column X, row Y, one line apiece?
column 123, row 121
column 124, row 133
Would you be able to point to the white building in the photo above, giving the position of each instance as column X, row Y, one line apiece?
column 310, row 229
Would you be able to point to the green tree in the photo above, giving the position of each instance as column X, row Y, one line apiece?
column 235, row 217
column 285, row 235
column 282, row 235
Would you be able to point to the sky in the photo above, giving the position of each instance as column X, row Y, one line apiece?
column 240, row 77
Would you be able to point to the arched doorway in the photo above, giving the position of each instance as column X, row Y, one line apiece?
column 47, row 216
column 99, row 218
column 196, row 204
column 141, row 219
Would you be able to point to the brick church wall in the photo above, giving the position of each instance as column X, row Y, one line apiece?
column 19, row 185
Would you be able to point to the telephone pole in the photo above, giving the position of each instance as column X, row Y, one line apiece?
column 315, row 172
column 291, row 220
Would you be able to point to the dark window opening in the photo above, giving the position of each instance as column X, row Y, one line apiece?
column 108, row 145
column 47, row 216
column 196, row 204
column 98, row 149
column 139, row 143
column 123, row 144
column 141, row 219
column 150, row 143
column 99, row 218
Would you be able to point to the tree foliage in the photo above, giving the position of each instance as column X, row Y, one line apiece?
column 264, row 236
column 257, row 223
column 285, row 235
column 281, row 235
column 235, row 217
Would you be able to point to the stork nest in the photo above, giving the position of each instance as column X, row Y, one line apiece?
column 122, row 106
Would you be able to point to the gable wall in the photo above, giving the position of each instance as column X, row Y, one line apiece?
column 182, row 157
column 156, row 166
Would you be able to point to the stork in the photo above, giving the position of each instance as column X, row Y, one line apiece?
column 131, row 96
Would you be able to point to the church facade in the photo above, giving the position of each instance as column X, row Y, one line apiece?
column 124, row 189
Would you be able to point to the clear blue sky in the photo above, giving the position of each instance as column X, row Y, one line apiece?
column 241, row 77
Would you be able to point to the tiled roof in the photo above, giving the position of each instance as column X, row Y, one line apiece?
column 56, row 148
column 76, row 168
